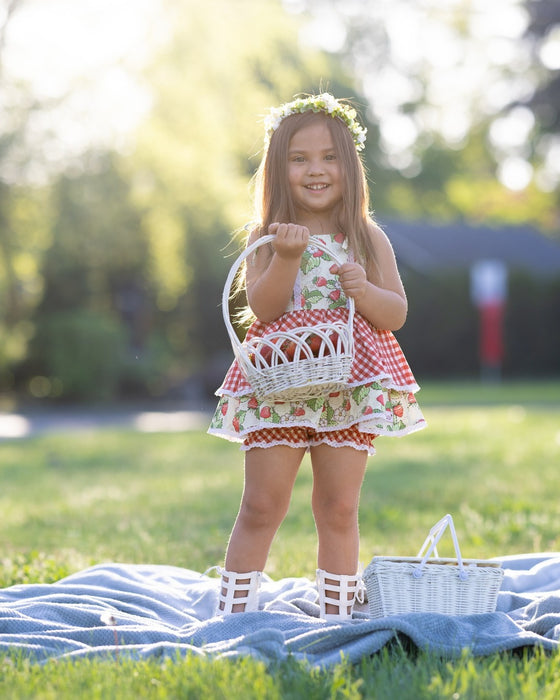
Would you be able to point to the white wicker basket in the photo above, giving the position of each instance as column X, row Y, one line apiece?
column 397, row 585
column 297, row 364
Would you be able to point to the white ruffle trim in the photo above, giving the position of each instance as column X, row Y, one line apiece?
column 386, row 382
column 285, row 443
column 376, row 430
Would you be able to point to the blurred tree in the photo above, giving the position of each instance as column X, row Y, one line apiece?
column 93, row 323
column 543, row 36
column 450, row 89
column 24, row 236
column 97, row 245
column 24, row 219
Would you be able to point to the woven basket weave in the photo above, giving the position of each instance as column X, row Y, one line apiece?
column 397, row 585
column 283, row 366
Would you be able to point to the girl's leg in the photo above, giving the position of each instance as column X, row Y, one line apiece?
column 270, row 474
column 338, row 473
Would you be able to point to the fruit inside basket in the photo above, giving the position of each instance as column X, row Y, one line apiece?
column 283, row 347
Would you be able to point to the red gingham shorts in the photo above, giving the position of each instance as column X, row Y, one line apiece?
column 297, row 436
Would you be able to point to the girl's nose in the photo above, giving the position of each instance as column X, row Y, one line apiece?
column 316, row 167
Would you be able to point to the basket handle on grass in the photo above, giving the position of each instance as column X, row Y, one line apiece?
column 263, row 240
column 431, row 541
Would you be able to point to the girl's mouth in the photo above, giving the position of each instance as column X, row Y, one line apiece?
column 317, row 187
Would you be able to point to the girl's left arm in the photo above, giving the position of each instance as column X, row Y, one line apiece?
column 378, row 293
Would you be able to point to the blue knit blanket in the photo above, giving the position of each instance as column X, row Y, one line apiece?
column 165, row 611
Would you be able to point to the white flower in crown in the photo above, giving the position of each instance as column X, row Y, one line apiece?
column 317, row 103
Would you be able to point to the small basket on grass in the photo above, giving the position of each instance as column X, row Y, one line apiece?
column 298, row 363
column 397, row 585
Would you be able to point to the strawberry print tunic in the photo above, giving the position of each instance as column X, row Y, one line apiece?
column 380, row 396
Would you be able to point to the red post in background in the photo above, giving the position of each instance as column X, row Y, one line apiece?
column 489, row 294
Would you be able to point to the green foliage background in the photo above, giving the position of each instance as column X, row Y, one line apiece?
column 111, row 269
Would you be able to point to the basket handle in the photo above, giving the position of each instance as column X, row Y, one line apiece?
column 263, row 240
column 431, row 541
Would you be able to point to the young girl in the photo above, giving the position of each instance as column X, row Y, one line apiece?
column 312, row 185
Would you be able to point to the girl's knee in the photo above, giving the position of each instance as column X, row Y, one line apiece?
column 261, row 512
column 336, row 514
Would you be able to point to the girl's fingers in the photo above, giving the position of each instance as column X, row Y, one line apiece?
column 291, row 233
column 352, row 279
column 290, row 239
column 294, row 230
column 302, row 234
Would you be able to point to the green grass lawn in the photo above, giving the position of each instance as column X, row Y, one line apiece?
column 490, row 457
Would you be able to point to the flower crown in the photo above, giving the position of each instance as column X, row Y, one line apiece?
column 317, row 103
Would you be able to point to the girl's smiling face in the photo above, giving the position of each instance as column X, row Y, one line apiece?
column 314, row 174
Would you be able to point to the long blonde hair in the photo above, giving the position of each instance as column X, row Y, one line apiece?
column 273, row 201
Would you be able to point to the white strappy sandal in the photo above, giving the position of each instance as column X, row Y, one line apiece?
column 339, row 591
column 239, row 592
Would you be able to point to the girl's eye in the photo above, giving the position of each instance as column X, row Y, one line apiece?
column 331, row 156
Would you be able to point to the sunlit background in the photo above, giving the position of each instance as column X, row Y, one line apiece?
column 129, row 132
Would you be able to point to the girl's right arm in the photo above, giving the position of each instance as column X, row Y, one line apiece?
column 270, row 279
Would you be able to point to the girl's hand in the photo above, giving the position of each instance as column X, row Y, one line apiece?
column 353, row 279
column 290, row 240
